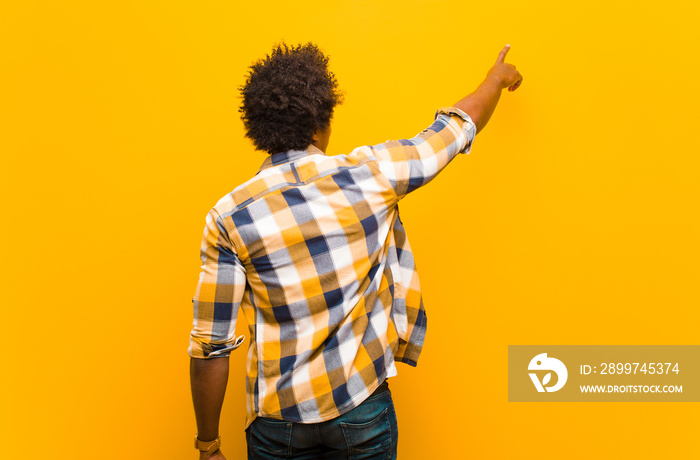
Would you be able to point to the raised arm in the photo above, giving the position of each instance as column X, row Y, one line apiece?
column 411, row 163
column 480, row 104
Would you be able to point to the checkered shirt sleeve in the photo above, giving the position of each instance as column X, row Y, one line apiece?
column 222, row 284
column 412, row 163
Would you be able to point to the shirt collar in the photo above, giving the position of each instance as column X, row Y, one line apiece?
column 277, row 159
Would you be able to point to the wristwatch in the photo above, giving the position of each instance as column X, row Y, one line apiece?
column 209, row 447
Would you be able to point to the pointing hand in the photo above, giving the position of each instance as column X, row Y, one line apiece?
column 506, row 73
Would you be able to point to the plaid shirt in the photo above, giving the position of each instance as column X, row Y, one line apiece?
column 313, row 252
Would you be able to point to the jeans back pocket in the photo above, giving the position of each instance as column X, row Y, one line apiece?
column 269, row 438
column 369, row 439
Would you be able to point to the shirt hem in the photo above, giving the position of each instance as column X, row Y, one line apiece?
column 323, row 417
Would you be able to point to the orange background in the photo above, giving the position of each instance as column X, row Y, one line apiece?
column 573, row 221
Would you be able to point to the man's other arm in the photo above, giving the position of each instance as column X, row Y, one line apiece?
column 480, row 104
column 218, row 296
column 208, row 378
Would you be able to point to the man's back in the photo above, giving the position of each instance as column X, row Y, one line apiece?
column 310, row 246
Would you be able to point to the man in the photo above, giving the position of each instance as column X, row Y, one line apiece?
column 313, row 252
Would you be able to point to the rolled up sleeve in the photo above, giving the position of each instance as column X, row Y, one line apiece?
column 412, row 163
column 221, row 286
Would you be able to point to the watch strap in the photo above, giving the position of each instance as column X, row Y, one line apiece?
column 207, row 446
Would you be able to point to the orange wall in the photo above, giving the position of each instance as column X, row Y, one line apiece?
column 573, row 221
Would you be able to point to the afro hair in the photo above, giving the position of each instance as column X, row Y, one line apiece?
column 288, row 95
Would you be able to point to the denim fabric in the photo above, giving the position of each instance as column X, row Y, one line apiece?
column 367, row 432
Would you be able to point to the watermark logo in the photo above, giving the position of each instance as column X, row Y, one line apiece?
column 542, row 363
column 631, row 373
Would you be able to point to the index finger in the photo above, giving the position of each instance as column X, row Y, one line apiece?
column 502, row 54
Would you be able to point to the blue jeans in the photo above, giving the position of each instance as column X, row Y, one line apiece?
column 368, row 431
